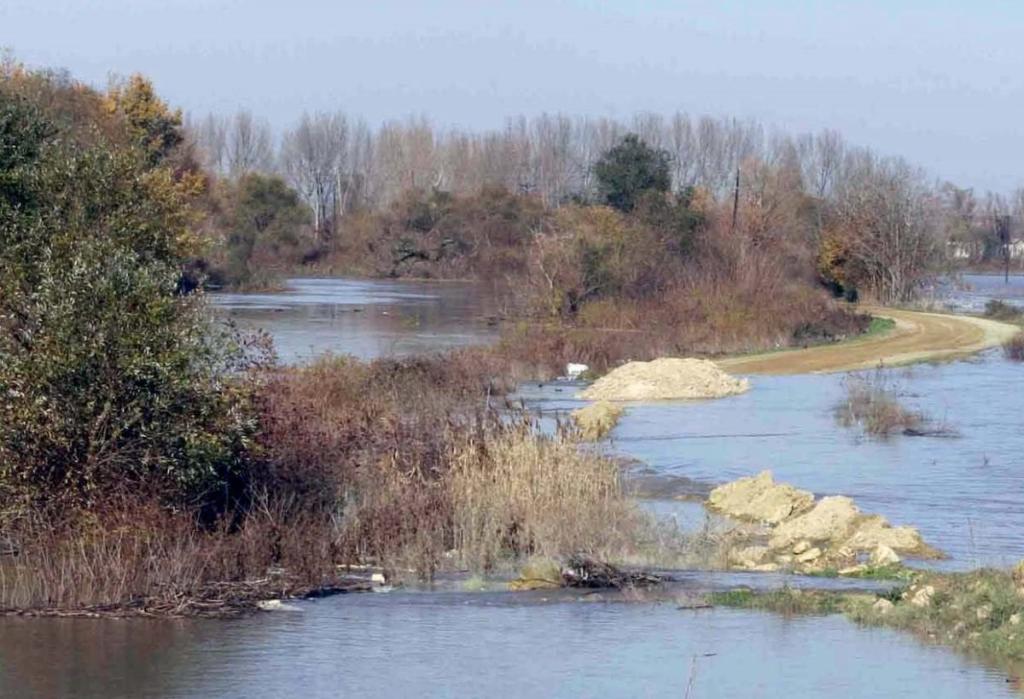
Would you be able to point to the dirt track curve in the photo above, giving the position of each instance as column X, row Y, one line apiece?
column 916, row 337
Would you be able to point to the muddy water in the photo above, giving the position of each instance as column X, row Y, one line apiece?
column 964, row 493
column 480, row 645
column 365, row 318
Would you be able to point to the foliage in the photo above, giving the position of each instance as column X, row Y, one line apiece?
column 155, row 127
column 630, row 169
column 108, row 379
column 264, row 216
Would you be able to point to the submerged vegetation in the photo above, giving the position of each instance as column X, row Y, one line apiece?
column 980, row 612
column 872, row 402
column 1014, row 348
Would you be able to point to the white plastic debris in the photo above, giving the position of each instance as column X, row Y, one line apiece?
column 574, row 371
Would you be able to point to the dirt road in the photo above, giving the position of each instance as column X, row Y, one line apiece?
column 916, row 337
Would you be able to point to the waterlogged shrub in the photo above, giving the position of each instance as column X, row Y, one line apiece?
column 872, row 402
column 1014, row 348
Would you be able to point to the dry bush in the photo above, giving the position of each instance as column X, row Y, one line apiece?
column 1000, row 310
column 1013, row 348
column 132, row 553
column 872, row 402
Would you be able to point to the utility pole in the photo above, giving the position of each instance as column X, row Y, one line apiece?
column 1003, row 234
column 736, row 199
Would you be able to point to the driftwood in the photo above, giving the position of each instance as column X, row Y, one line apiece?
column 583, row 571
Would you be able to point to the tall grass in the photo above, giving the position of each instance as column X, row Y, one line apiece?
column 518, row 494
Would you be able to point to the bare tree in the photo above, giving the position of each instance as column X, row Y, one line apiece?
column 249, row 144
column 311, row 155
column 890, row 223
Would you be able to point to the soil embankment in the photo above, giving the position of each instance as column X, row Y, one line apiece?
column 916, row 337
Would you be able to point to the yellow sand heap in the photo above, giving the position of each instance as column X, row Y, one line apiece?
column 597, row 419
column 665, row 379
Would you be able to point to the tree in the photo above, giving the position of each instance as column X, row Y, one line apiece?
column 156, row 127
column 629, row 169
column 265, row 211
column 109, row 380
column 885, row 230
column 248, row 144
column 313, row 155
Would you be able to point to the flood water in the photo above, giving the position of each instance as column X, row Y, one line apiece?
column 964, row 494
column 480, row 645
column 974, row 290
column 364, row 318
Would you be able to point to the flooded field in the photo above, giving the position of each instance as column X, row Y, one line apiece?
column 963, row 493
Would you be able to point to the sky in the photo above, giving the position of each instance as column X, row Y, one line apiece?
column 938, row 82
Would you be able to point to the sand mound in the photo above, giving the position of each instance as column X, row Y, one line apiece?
column 597, row 419
column 760, row 498
column 666, row 379
column 808, row 536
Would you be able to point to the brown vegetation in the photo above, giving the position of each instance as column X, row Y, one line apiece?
column 1014, row 348
column 872, row 402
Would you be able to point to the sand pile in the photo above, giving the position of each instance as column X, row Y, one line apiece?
column 665, row 379
column 597, row 419
column 810, row 536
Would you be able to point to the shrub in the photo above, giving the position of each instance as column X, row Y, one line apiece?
column 871, row 402
column 108, row 378
column 1014, row 348
column 1000, row 310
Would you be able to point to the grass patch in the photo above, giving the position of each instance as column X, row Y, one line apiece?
column 786, row 600
column 879, row 326
column 895, row 571
column 981, row 612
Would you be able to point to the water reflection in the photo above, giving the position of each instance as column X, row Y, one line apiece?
column 461, row 645
column 365, row 318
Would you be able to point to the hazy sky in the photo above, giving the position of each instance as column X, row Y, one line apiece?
column 937, row 81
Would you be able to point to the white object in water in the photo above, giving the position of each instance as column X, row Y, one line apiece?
column 276, row 605
column 378, row 578
column 574, row 371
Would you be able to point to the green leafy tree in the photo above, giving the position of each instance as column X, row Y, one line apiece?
column 265, row 212
column 109, row 380
column 629, row 169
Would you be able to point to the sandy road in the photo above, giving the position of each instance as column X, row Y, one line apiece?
column 917, row 337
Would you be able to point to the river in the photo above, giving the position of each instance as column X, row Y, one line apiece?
column 964, row 494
